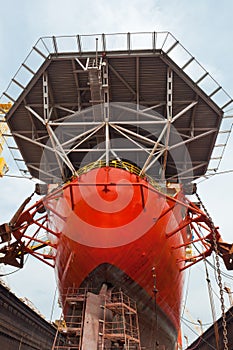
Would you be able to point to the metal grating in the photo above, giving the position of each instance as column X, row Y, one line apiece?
column 137, row 66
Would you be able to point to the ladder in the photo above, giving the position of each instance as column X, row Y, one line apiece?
column 70, row 327
column 104, row 321
column 95, row 80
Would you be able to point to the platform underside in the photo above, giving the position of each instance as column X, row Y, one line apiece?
column 63, row 95
column 154, row 326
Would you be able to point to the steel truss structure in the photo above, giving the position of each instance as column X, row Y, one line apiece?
column 30, row 231
column 140, row 97
column 130, row 107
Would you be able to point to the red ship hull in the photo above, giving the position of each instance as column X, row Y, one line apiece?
column 115, row 229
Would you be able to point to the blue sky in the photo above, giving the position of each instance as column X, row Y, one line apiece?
column 204, row 27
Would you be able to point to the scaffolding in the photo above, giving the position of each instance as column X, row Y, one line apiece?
column 70, row 327
column 119, row 329
column 113, row 324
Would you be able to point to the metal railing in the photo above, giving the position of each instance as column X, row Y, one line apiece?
column 164, row 42
column 131, row 168
column 128, row 42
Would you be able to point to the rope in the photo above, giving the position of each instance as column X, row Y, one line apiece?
column 186, row 294
column 199, row 338
column 210, row 290
column 53, row 305
column 11, row 273
column 224, row 324
column 18, row 176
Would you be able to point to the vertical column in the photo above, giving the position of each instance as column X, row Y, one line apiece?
column 45, row 96
column 169, row 93
column 105, row 88
column 90, row 338
column 169, row 118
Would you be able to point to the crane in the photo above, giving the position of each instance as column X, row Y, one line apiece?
column 4, row 108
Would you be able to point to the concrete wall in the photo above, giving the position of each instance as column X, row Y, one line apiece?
column 20, row 327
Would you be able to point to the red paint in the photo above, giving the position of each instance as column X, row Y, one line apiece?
column 120, row 226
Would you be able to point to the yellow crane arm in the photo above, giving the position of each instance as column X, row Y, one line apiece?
column 4, row 108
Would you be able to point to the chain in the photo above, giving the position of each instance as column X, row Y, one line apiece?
column 224, row 323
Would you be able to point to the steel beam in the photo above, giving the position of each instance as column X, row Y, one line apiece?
column 169, row 118
column 122, row 79
column 45, row 96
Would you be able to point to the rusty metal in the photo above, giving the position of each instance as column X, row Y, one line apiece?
column 13, row 254
column 120, row 323
column 226, row 252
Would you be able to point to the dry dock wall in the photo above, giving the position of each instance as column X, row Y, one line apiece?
column 21, row 327
column 207, row 340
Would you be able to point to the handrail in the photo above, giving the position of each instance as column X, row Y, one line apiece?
column 120, row 164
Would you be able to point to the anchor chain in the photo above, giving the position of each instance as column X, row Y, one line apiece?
column 224, row 323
